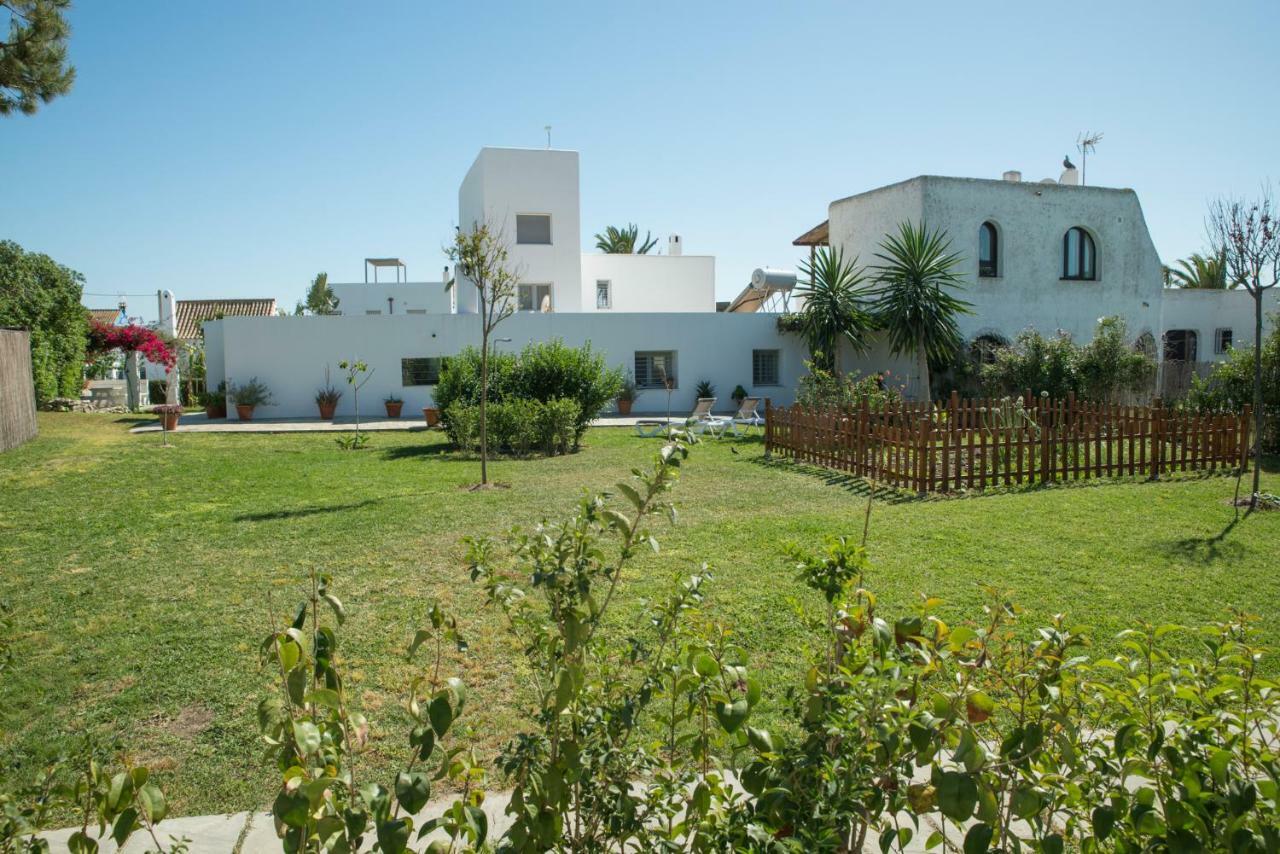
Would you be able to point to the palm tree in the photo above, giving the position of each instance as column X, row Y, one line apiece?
column 834, row 306
column 622, row 241
column 913, row 302
column 1200, row 272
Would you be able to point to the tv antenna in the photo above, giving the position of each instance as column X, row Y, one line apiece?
column 547, row 128
column 1085, row 143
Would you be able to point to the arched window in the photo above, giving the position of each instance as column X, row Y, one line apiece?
column 1079, row 258
column 988, row 250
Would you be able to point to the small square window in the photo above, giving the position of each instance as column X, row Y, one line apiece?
column 604, row 294
column 764, row 367
column 1222, row 340
column 373, row 311
column 415, row 311
column 421, row 371
column 655, row 368
column 533, row 228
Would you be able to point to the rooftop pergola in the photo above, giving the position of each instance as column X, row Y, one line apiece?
column 375, row 263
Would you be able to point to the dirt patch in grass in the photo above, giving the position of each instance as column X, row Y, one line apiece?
column 189, row 723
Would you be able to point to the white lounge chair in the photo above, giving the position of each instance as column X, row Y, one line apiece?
column 746, row 417
column 701, row 420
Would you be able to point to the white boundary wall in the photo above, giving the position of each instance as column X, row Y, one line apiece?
column 289, row 354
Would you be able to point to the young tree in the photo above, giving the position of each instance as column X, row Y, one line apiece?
column 480, row 257
column 320, row 298
column 33, row 55
column 1249, row 235
column 625, row 241
column 834, row 307
column 913, row 302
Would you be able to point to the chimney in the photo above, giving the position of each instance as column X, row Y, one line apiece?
column 1070, row 177
column 1013, row 176
column 674, row 247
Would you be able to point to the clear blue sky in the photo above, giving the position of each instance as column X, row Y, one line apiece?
column 234, row 149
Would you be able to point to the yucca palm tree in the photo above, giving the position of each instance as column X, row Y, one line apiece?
column 1200, row 272
column 623, row 241
column 913, row 302
column 834, row 306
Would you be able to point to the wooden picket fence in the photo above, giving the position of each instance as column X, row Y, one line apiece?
column 980, row 443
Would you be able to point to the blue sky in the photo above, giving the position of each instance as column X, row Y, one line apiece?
column 235, row 149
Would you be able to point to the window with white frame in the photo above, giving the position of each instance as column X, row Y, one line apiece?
column 534, row 298
column 424, row 370
column 533, row 229
column 655, row 368
column 604, row 294
column 764, row 367
column 373, row 311
column 415, row 311
column 1221, row 340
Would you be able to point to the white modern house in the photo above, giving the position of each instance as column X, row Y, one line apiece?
column 1050, row 255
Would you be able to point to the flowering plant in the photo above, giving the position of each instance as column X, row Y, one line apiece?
column 167, row 409
column 131, row 338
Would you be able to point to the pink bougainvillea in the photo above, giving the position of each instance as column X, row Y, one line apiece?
column 132, row 338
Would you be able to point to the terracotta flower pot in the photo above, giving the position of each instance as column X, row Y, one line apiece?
column 213, row 410
column 244, row 412
column 393, row 407
column 170, row 420
column 432, row 415
column 326, row 410
column 624, row 407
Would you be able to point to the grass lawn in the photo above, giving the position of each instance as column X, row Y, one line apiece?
column 143, row 578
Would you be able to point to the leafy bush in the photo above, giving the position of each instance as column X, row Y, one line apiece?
column 517, row 426
column 1230, row 385
column 821, row 389
column 543, row 373
column 1101, row 370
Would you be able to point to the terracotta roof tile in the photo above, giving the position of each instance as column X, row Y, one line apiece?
column 192, row 312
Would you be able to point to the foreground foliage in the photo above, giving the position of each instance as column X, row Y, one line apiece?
column 1102, row 370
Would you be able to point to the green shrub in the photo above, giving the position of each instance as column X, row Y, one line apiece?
column 462, row 426
column 1229, row 385
column 1109, row 366
column 1033, row 362
column 460, row 379
column 551, row 370
column 821, row 389
column 543, row 373
column 558, row 421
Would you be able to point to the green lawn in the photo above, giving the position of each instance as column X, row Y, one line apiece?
column 142, row 578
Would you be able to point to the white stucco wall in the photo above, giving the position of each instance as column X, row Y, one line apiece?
column 504, row 182
column 289, row 353
column 654, row 283
column 1207, row 311
column 361, row 297
column 1031, row 220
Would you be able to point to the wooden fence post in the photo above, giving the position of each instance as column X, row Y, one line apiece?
column 768, row 429
column 1157, row 438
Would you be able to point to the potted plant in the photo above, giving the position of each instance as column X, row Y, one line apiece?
column 169, row 414
column 431, row 415
column 627, row 396
column 704, row 388
column 327, row 397
column 394, row 405
column 249, row 396
column 739, row 394
column 214, row 401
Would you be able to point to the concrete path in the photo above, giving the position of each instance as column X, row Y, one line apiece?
column 196, row 422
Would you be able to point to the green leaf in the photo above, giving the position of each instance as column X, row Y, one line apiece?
column 307, row 736
column 957, row 795
column 81, row 843
column 1025, row 803
column 978, row 839
column 296, row 684
column 760, row 740
column 152, row 803
column 413, row 790
column 440, row 713
column 1219, row 764
column 732, row 715
column 126, row 823
column 336, row 604
column 393, row 836
column 705, row 665
column 423, row 738
column 326, row 697
column 1104, row 819
column 632, row 496
column 479, row 824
